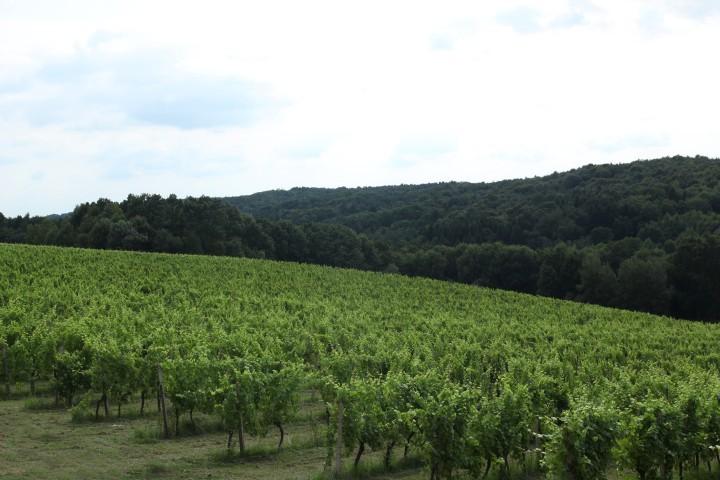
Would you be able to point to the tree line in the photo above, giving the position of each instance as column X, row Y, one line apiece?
column 192, row 225
column 642, row 236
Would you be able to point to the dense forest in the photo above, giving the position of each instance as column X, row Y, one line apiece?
column 655, row 200
column 193, row 225
column 643, row 236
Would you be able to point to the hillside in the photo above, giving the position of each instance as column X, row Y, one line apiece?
column 643, row 236
column 654, row 200
column 434, row 378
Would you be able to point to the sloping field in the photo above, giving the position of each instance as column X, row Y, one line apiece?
column 423, row 378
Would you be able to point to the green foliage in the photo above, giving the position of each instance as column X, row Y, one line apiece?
column 559, row 272
column 364, row 417
column 443, row 421
column 538, row 235
column 651, row 438
column 188, row 381
column 507, row 420
column 598, row 282
column 80, row 412
column 71, row 374
column 580, row 446
column 695, row 274
column 468, row 379
column 643, row 284
column 238, row 399
column 498, row 265
column 280, row 396
column 113, row 372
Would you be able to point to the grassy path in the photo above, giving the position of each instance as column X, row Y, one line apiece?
column 45, row 444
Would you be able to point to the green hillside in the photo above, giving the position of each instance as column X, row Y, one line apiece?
column 588, row 205
column 641, row 236
column 458, row 378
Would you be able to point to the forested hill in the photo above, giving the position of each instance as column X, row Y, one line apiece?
column 641, row 236
column 656, row 200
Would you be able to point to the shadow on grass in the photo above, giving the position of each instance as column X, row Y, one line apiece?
column 255, row 453
column 22, row 390
column 154, row 470
column 251, row 454
column 81, row 415
column 38, row 404
column 372, row 469
column 153, row 433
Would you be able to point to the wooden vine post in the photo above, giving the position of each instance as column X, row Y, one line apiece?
column 161, row 396
column 6, row 368
column 339, row 440
column 60, row 351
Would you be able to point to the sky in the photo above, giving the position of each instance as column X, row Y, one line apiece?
column 224, row 98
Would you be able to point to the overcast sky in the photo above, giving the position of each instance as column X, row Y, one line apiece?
column 103, row 99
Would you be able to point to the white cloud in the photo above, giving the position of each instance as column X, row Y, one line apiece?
column 225, row 98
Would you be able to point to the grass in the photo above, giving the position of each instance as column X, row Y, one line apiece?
column 155, row 469
column 41, row 403
column 40, row 441
column 146, row 434
column 20, row 390
column 410, row 467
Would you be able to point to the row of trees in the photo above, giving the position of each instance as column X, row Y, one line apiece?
column 466, row 380
column 639, row 422
column 460, row 428
column 653, row 200
column 609, row 211
column 667, row 261
column 630, row 274
column 193, row 225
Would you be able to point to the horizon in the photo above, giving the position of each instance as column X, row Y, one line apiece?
column 127, row 195
column 103, row 101
column 122, row 198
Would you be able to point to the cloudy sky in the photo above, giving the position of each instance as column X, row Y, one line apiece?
column 103, row 99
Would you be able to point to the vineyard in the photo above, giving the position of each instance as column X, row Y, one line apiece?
column 434, row 379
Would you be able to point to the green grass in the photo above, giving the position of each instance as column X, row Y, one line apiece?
column 45, row 443
column 40, row 403
column 39, row 441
